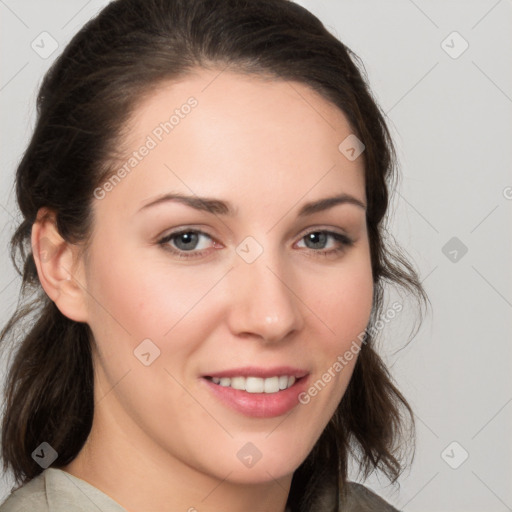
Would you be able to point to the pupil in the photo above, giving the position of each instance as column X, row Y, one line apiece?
column 317, row 238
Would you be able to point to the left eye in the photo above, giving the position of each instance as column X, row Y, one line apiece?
column 315, row 238
column 187, row 244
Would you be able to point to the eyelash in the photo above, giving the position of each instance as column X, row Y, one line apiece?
column 343, row 240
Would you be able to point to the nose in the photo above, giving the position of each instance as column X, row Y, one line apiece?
column 263, row 302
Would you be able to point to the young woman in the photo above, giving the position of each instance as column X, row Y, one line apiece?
column 203, row 261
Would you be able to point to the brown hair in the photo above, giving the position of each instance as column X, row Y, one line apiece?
column 83, row 105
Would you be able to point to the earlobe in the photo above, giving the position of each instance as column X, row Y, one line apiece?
column 58, row 266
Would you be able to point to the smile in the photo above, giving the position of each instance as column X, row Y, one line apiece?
column 258, row 392
column 256, row 384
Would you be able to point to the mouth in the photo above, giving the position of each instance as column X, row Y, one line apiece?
column 258, row 392
column 254, row 384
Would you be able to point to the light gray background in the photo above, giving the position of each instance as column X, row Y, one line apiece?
column 451, row 121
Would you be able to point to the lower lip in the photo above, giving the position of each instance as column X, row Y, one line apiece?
column 259, row 405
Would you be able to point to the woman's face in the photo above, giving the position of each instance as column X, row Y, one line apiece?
column 260, row 290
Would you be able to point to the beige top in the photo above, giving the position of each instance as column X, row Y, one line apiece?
column 55, row 490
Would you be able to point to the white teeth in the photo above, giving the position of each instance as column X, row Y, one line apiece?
column 283, row 382
column 271, row 385
column 256, row 384
column 238, row 383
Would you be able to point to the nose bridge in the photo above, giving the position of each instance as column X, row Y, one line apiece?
column 263, row 303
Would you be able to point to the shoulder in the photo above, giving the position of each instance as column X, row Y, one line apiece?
column 30, row 496
column 55, row 490
column 361, row 499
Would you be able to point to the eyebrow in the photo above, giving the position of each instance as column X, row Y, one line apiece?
column 218, row 207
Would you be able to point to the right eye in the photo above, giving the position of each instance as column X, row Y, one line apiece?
column 186, row 241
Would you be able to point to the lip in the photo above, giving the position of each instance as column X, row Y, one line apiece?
column 259, row 405
column 254, row 371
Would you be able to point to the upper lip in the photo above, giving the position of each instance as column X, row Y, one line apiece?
column 254, row 371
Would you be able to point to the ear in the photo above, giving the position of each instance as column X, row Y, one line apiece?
column 59, row 267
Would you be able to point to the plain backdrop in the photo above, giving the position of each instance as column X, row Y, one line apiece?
column 441, row 71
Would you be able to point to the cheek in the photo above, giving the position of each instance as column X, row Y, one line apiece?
column 345, row 311
column 344, row 306
column 344, row 302
column 142, row 297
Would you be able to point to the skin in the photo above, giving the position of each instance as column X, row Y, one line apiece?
column 160, row 440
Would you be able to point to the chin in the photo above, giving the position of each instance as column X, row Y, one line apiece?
column 254, row 466
column 260, row 474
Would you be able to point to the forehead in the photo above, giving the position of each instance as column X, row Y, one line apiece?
column 231, row 101
column 220, row 133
